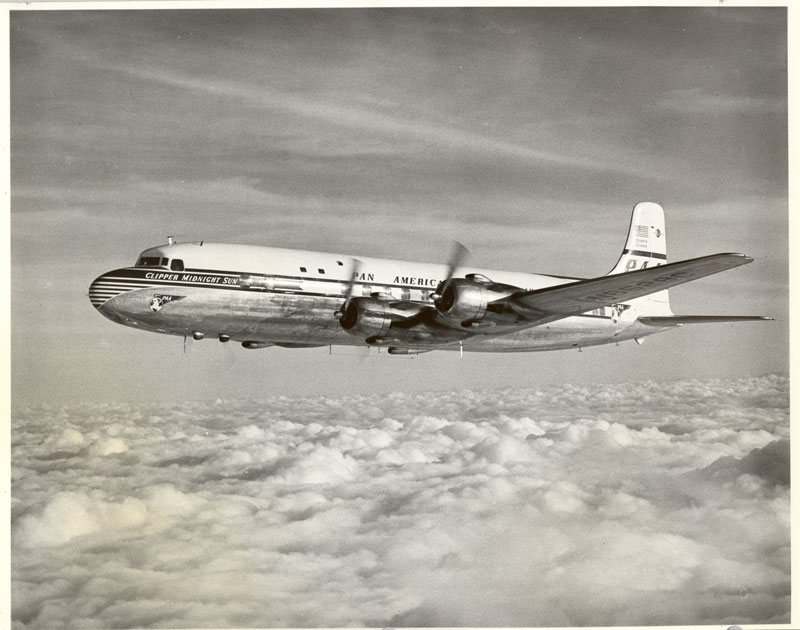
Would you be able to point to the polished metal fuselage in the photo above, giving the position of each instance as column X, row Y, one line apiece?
column 261, row 295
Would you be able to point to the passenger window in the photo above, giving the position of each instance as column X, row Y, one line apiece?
column 322, row 271
column 303, row 269
column 177, row 265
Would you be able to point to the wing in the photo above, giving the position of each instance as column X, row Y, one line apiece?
column 474, row 305
column 546, row 305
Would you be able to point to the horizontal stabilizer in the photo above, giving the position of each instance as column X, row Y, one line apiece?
column 678, row 320
column 545, row 305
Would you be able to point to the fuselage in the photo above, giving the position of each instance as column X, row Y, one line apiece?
column 263, row 296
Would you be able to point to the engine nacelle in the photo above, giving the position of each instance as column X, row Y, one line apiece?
column 366, row 316
column 464, row 300
column 467, row 300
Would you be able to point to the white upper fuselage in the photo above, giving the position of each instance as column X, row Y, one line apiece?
column 321, row 271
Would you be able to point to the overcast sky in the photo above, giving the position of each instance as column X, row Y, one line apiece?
column 528, row 134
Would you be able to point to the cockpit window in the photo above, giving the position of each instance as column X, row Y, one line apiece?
column 177, row 265
column 151, row 261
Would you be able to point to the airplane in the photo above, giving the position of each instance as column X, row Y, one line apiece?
column 266, row 296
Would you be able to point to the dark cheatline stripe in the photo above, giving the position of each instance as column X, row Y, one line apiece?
column 133, row 278
column 137, row 274
column 101, row 291
column 638, row 252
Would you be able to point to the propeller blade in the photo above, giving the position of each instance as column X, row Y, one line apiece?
column 355, row 267
column 457, row 255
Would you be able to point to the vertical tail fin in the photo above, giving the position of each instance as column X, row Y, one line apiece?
column 647, row 243
column 646, row 247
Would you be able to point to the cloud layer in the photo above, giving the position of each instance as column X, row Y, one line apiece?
column 636, row 504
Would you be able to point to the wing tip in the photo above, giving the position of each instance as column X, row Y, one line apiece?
column 741, row 259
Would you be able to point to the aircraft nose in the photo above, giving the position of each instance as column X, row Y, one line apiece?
column 103, row 289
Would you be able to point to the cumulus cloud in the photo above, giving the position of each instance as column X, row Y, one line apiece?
column 71, row 514
column 629, row 504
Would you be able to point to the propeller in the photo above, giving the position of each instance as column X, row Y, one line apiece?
column 355, row 266
column 457, row 255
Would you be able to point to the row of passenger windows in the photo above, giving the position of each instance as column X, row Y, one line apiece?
column 155, row 261
column 320, row 270
column 177, row 264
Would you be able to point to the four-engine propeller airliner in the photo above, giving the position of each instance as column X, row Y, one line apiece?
column 265, row 296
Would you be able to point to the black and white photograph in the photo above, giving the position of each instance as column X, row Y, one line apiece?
column 399, row 316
